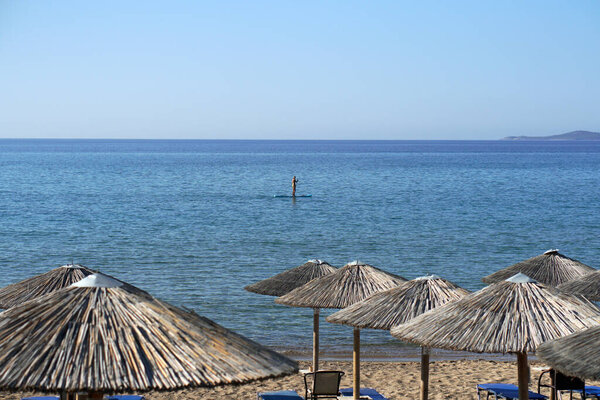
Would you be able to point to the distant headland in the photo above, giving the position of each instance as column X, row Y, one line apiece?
column 575, row 135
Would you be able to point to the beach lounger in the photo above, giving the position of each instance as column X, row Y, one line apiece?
column 280, row 395
column 323, row 385
column 364, row 393
column 41, row 398
column 504, row 391
column 125, row 397
column 591, row 392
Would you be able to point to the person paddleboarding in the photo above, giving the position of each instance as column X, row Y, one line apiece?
column 294, row 181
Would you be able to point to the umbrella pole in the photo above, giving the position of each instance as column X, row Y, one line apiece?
column 315, row 339
column 523, row 374
column 356, row 363
column 424, row 373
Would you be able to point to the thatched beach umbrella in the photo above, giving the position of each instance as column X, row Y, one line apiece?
column 587, row 285
column 574, row 355
column 550, row 268
column 101, row 335
column 352, row 283
column 291, row 279
column 512, row 316
column 384, row 310
column 288, row 280
column 40, row 285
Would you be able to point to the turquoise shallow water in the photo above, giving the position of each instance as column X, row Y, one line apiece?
column 193, row 222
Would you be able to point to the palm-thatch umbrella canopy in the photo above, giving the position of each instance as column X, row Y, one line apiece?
column 513, row 316
column 100, row 335
column 350, row 284
column 586, row 285
column 40, row 285
column 288, row 280
column 574, row 355
column 291, row 279
column 550, row 268
column 384, row 310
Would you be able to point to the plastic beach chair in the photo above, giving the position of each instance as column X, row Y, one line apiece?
column 280, row 395
column 560, row 383
column 325, row 384
column 364, row 393
column 504, row 391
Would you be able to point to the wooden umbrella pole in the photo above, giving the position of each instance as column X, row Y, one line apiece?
column 315, row 339
column 424, row 373
column 523, row 375
column 356, row 363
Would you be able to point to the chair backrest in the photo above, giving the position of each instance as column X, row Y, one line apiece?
column 327, row 382
column 564, row 382
column 324, row 383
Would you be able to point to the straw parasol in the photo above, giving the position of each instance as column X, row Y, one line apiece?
column 574, row 355
column 512, row 316
column 384, row 310
column 40, row 285
column 350, row 284
column 550, row 268
column 101, row 335
column 586, row 285
column 291, row 279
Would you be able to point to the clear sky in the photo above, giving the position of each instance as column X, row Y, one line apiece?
column 298, row 69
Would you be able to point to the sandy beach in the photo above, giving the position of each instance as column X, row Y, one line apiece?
column 395, row 380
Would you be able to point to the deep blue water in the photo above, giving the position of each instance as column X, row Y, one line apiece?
column 193, row 222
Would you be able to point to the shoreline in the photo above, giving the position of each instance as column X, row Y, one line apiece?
column 386, row 354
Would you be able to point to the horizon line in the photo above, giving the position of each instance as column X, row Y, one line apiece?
column 258, row 140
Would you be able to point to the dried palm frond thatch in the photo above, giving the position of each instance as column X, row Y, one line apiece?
column 574, row 355
column 40, row 285
column 513, row 316
column 586, row 285
column 550, row 268
column 348, row 285
column 516, row 315
column 289, row 280
column 384, row 310
column 102, row 335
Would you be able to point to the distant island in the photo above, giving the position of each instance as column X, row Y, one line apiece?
column 575, row 135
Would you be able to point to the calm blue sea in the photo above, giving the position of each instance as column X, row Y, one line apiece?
column 193, row 222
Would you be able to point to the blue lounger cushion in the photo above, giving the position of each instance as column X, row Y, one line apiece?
column 125, row 397
column 280, row 395
column 372, row 393
column 590, row 391
column 507, row 391
column 41, row 398
column 593, row 390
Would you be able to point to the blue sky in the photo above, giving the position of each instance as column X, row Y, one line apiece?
column 298, row 69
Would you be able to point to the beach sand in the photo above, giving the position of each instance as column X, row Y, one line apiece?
column 396, row 380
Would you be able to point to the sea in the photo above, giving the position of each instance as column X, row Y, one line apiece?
column 194, row 221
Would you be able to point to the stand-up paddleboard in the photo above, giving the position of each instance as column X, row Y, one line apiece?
column 290, row 196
